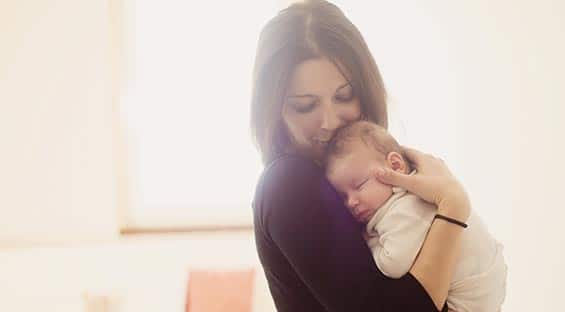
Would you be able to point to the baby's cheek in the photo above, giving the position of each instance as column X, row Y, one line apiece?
column 379, row 194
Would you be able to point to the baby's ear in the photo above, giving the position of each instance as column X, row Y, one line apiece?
column 396, row 162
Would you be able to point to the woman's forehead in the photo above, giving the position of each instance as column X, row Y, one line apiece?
column 316, row 76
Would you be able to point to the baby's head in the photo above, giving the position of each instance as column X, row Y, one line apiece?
column 353, row 157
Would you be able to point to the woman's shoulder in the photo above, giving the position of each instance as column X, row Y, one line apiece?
column 290, row 181
column 288, row 172
column 292, row 165
column 291, row 188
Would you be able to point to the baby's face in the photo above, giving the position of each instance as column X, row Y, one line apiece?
column 354, row 177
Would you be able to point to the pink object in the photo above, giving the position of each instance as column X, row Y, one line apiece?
column 220, row 291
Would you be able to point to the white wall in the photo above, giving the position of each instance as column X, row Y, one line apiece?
column 490, row 72
column 58, row 179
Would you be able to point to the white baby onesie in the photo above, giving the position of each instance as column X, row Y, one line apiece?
column 397, row 231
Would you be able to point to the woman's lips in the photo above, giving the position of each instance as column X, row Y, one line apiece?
column 320, row 142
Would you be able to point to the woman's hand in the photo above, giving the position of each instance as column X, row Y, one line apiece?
column 433, row 182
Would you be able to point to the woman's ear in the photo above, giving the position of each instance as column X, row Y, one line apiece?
column 396, row 162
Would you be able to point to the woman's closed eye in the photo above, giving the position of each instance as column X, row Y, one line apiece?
column 302, row 103
column 304, row 107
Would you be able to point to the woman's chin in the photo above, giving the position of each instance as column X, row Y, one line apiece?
column 314, row 152
column 318, row 155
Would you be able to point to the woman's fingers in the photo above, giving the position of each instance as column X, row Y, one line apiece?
column 414, row 156
column 433, row 182
column 426, row 163
column 392, row 177
column 412, row 153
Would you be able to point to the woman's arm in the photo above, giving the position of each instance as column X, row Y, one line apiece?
column 305, row 218
column 435, row 264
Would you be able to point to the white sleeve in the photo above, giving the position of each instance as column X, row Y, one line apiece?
column 401, row 234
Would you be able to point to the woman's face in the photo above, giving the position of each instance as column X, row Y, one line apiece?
column 318, row 101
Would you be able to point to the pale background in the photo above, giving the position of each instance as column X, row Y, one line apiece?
column 492, row 73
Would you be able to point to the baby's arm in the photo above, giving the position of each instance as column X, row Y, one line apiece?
column 401, row 234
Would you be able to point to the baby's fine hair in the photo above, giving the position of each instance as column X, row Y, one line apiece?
column 371, row 134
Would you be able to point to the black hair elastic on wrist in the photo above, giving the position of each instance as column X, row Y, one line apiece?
column 451, row 220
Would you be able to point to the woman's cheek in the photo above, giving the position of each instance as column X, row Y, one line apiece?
column 354, row 113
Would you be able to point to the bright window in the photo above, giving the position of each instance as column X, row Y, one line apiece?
column 185, row 106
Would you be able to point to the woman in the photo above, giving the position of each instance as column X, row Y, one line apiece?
column 313, row 74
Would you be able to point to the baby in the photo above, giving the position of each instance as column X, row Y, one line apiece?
column 397, row 221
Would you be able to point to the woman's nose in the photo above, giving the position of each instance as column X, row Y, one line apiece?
column 330, row 120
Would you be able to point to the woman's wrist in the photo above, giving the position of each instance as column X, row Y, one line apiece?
column 458, row 208
column 451, row 220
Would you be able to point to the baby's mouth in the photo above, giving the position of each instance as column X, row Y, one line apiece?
column 363, row 215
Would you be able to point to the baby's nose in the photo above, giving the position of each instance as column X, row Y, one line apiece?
column 352, row 203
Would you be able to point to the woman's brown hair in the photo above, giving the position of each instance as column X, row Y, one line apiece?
column 303, row 31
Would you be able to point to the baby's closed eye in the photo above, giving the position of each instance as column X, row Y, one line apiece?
column 361, row 184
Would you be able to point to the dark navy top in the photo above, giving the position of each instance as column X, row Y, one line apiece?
column 312, row 250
